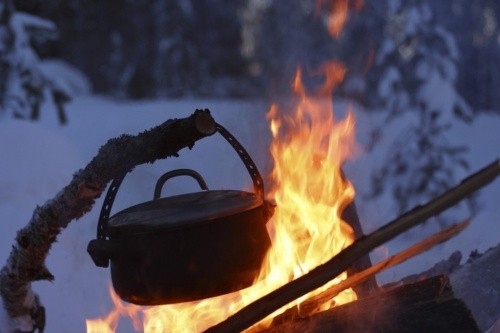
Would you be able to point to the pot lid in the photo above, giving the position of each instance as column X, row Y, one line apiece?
column 182, row 210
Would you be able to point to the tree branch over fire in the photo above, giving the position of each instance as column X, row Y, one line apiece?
column 118, row 156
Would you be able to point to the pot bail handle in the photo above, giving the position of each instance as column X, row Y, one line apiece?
column 258, row 183
column 106, row 206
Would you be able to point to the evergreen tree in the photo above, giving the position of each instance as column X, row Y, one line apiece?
column 357, row 44
column 417, row 66
column 23, row 84
column 153, row 48
column 476, row 27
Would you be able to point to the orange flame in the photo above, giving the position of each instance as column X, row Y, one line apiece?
column 109, row 323
column 339, row 10
column 308, row 150
column 309, row 147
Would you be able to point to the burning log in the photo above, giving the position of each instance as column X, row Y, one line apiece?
column 350, row 215
column 118, row 156
column 308, row 306
column 425, row 306
column 322, row 274
column 425, row 302
column 313, row 304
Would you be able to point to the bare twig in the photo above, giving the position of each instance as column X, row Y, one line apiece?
column 118, row 156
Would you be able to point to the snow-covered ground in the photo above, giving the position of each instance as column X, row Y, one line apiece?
column 38, row 159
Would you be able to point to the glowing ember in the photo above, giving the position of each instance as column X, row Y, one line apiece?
column 308, row 148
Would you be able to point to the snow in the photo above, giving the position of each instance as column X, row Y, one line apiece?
column 481, row 138
column 38, row 159
column 65, row 77
column 28, row 20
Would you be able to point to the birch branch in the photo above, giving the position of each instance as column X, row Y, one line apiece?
column 118, row 156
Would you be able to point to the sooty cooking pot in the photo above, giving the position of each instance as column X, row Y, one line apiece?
column 185, row 247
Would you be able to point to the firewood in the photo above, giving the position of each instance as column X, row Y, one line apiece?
column 425, row 306
column 350, row 215
column 322, row 274
column 118, row 156
column 475, row 283
column 311, row 304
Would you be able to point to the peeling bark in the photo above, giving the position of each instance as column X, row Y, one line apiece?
column 118, row 156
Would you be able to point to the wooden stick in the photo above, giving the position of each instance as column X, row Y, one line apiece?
column 309, row 305
column 319, row 276
column 118, row 156
column 425, row 306
column 350, row 215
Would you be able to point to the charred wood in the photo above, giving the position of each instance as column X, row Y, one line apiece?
column 425, row 306
column 477, row 282
column 310, row 305
column 419, row 302
column 350, row 215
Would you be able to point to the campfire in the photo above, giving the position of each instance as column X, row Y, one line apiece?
column 315, row 274
column 308, row 149
column 307, row 230
column 308, row 278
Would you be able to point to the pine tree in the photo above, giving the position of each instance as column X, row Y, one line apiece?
column 23, row 84
column 417, row 66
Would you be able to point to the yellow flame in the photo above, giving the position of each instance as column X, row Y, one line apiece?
column 308, row 150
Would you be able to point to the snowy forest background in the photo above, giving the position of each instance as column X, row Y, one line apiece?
column 423, row 77
column 397, row 54
column 207, row 48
